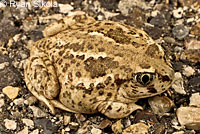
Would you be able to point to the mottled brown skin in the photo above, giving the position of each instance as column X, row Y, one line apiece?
column 93, row 66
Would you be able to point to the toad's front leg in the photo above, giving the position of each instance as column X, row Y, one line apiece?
column 117, row 109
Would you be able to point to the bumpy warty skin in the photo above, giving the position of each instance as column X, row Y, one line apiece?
column 89, row 66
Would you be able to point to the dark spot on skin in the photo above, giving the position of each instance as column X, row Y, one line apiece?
column 116, row 76
column 144, row 66
column 91, row 85
column 65, row 68
column 126, row 69
column 83, row 96
column 101, row 49
column 125, row 85
column 67, row 94
column 33, row 58
column 93, row 100
column 152, row 50
column 101, row 92
column 132, row 32
column 71, row 56
column 78, row 64
column 72, row 87
column 81, row 57
column 100, row 85
column 109, row 94
column 39, row 66
column 107, row 81
column 88, row 91
column 119, row 36
column 119, row 54
column 80, row 103
column 58, row 47
column 78, row 74
column 73, row 102
column 98, row 67
column 118, row 81
column 134, row 91
column 118, row 110
column 165, row 78
column 73, row 61
column 109, row 107
column 76, row 47
column 61, row 53
column 35, row 76
column 60, row 61
column 80, row 86
column 89, row 46
column 97, row 24
column 70, row 76
column 151, row 89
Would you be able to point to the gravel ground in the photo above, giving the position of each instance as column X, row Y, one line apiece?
column 173, row 23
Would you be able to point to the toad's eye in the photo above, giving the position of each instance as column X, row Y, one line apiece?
column 144, row 78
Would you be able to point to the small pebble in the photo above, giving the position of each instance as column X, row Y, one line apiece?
column 11, row 92
column 139, row 128
column 196, row 29
column 66, row 119
column 195, row 100
column 19, row 101
column 178, row 13
column 96, row 131
column 30, row 100
column 188, row 71
column 65, row 8
column 24, row 131
column 179, row 132
column 192, row 44
column 3, row 65
column 180, row 31
column 37, row 112
column 36, row 131
column 105, row 123
column 1, row 102
column 10, row 124
column 178, row 83
column 117, row 127
column 28, row 122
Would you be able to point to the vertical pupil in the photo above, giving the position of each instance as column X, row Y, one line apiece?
column 145, row 79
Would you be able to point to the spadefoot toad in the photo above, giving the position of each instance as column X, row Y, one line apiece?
column 89, row 66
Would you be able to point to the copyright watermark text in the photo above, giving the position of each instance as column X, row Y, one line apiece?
column 39, row 3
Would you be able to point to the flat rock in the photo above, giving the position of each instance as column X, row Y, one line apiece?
column 139, row 128
column 28, row 122
column 188, row 71
column 180, row 31
column 192, row 44
column 195, row 100
column 160, row 105
column 24, row 131
column 10, row 124
column 189, row 117
column 37, row 112
column 11, row 92
column 178, row 83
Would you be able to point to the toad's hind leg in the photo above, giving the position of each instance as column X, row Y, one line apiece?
column 41, row 79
